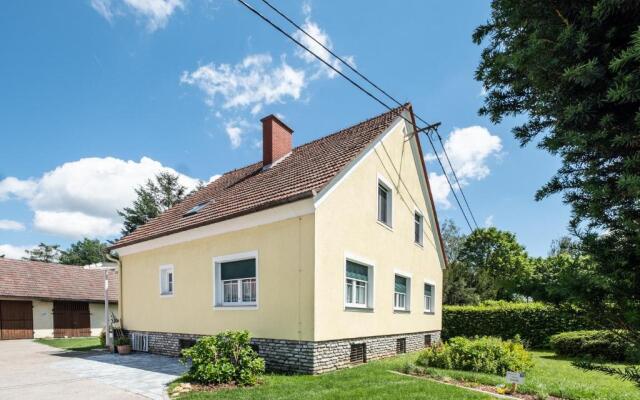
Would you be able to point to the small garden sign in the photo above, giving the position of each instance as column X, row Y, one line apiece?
column 515, row 377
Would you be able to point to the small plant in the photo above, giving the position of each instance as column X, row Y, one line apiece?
column 224, row 358
column 103, row 338
column 602, row 345
column 487, row 354
column 122, row 341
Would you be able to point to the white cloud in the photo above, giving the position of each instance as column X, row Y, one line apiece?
column 156, row 13
column 80, row 198
column 440, row 189
column 9, row 225
column 17, row 188
column 323, row 39
column 14, row 252
column 470, row 150
column 252, row 83
column 75, row 224
column 488, row 222
column 235, row 134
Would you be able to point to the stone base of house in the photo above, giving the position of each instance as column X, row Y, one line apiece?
column 308, row 357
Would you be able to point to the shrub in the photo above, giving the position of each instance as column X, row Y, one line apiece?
column 103, row 338
column 487, row 354
column 534, row 322
column 224, row 358
column 122, row 341
column 604, row 345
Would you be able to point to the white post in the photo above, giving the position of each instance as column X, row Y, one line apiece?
column 106, row 308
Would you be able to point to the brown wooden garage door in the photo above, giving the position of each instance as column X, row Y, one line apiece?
column 16, row 320
column 71, row 319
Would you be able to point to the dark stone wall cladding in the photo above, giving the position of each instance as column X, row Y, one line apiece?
column 305, row 357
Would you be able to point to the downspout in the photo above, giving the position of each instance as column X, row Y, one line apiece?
column 115, row 260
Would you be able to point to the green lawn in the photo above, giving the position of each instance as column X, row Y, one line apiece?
column 551, row 375
column 77, row 344
column 369, row 381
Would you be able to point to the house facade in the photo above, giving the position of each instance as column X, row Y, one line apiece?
column 328, row 253
column 40, row 300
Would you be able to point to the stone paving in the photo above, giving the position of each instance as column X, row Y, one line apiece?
column 29, row 370
column 139, row 373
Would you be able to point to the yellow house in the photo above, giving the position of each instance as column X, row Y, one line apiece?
column 328, row 253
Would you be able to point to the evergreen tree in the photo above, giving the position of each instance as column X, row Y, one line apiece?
column 45, row 253
column 154, row 197
column 573, row 69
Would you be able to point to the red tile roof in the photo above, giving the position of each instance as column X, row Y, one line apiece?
column 246, row 190
column 33, row 279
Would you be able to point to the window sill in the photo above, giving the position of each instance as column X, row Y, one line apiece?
column 429, row 312
column 164, row 295
column 359, row 309
column 390, row 228
column 401, row 311
column 236, row 307
column 420, row 245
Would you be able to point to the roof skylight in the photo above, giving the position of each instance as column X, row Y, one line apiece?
column 195, row 209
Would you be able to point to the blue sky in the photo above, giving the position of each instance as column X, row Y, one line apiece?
column 99, row 95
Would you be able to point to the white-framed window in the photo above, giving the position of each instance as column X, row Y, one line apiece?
column 385, row 202
column 401, row 292
column 418, row 227
column 167, row 281
column 236, row 280
column 429, row 297
column 358, row 291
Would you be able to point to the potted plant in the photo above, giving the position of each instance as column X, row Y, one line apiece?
column 123, row 344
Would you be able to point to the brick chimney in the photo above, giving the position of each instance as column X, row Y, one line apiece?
column 276, row 139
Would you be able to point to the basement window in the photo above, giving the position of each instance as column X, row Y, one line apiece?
column 427, row 340
column 195, row 209
column 401, row 346
column 236, row 280
column 358, row 353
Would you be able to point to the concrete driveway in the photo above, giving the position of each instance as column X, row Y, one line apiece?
column 31, row 370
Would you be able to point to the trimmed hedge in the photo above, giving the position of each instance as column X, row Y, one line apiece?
column 535, row 323
column 603, row 345
column 488, row 355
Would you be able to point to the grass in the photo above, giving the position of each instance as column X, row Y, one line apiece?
column 76, row 344
column 553, row 375
column 369, row 381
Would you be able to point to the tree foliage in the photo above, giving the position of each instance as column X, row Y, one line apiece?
column 84, row 252
column 49, row 253
column 573, row 69
column 154, row 197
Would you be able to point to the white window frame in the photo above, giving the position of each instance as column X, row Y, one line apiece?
column 370, row 285
column 407, row 296
column 421, row 241
column 382, row 181
column 167, row 269
column 433, row 298
column 218, row 284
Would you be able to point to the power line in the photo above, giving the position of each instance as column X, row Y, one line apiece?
column 388, row 96
column 444, row 150
column 358, row 86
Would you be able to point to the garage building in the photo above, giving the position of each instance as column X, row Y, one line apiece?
column 52, row 300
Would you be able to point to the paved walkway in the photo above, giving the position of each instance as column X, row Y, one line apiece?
column 31, row 370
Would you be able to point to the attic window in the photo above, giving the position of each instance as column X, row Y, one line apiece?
column 195, row 209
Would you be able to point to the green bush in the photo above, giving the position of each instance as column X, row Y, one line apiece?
column 535, row 323
column 603, row 345
column 122, row 341
column 103, row 338
column 224, row 358
column 487, row 354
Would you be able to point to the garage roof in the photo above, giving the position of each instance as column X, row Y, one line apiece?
column 48, row 281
